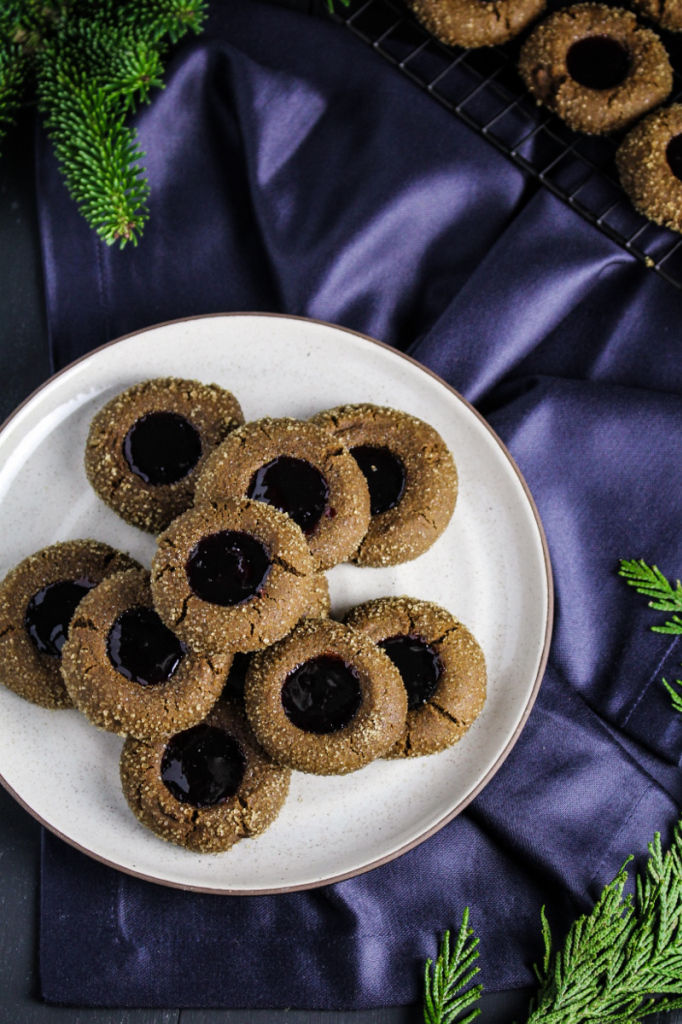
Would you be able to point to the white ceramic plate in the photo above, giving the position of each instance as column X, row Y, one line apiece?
column 490, row 569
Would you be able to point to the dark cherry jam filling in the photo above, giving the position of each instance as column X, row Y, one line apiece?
column 50, row 611
column 322, row 695
column 202, row 766
column 385, row 475
column 673, row 155
column 598, row 62
column 227, row 568
column 418, row 664
column 162, row 447
column 142, row 648
column 293, row 486
column 236, row 679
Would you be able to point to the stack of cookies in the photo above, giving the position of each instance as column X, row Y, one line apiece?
column 222, row 667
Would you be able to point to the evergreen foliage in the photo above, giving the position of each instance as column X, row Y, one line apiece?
column 446, row 991
column 618, row 964
column 650, row 581
column 623, row 961
column 90, row 63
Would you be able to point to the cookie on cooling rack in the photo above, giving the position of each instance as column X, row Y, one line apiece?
column 441, row 665
column 667, row 15
column 474, row 23
column 596, row 67
column 649, row 163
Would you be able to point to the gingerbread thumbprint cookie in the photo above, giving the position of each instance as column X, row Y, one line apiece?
column 232, row 576
column 596, row 67
column 207, row 787
column 38, row 599
column 667, row 15
column 411, row 477
column 650, row 166
column 128, row 672
column 316, row 607
column 147, row 446
column 441, row 665
column 325, row 700
column 300, row 469
column 475, row 23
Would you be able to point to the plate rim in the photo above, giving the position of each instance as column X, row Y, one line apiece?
column 504, row 753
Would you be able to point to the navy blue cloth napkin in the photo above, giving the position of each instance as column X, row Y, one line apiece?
column 292, row 170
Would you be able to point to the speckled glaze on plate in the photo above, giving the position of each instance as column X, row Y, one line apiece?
column 490, row 569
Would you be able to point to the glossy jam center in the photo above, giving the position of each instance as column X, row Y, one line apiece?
column 385, row 475
column 227, row 568
column 673, row 154
column 293, row 486
column 598, row 62
column 236, row 679
column 202, row 766
column 50, row 611
column 418, row 664
column 322, row 695
column 142, row 648
column 162, row 447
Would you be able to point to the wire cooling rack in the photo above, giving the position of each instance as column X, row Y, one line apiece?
column 484, row 89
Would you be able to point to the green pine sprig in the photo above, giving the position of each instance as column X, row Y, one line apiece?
column 623, row 961
column 650, row 581
column 12, row 82
column 618, row 964
column 91, row 63
column 675, row 696
column 447, row 983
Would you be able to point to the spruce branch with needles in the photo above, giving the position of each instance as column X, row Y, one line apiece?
column 87, row 64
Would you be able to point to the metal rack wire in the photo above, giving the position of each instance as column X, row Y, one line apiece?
column 484, row 89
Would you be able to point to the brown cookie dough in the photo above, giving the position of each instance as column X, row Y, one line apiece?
column 317, row 604
column 650, row 166
column 37, row 601
column 147, row 446
column 596, row 67
column 325, row 700
column 220, row 786
column 300, row 469
column 127, row 672
column 666, row 13
column 317, row 607
column 441, row 664
column 231, row 576
column 476, row 22
column 411, row 475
